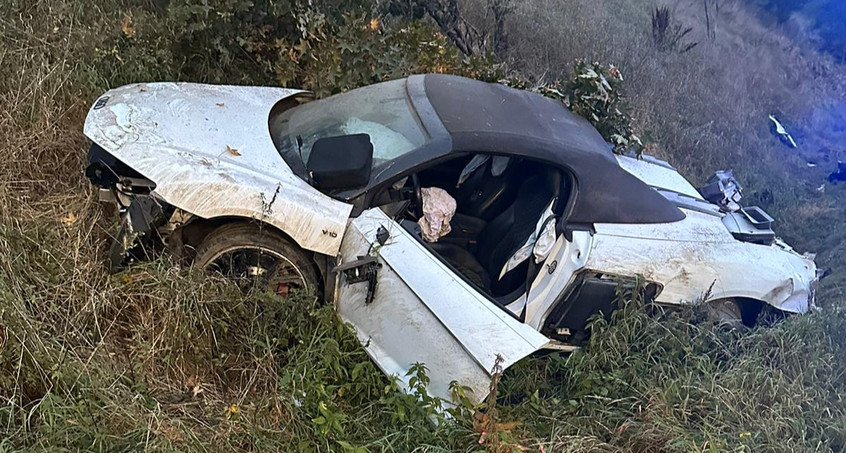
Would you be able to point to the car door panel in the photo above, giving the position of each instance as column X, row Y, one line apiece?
column 422, row 312
column 556, row 274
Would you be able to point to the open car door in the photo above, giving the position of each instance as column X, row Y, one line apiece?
column 408, row 307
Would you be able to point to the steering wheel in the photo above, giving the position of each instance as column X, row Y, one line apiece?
column 417, row 196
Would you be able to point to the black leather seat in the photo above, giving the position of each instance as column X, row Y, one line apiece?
column 464, row 262
column 503, row 236
column 483, row 195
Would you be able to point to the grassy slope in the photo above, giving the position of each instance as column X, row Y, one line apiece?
column 156, row 358
column 707, row 109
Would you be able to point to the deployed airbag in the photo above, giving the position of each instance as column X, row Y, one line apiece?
column 539, row 244
column 438, row 209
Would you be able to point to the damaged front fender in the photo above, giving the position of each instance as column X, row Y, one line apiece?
column 140, row 219
column 209, row 152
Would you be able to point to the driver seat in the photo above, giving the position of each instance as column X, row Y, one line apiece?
column 503, row 236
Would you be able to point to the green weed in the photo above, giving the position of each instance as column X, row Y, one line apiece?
column 162, row 359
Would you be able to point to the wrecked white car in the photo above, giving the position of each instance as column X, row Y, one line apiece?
column 450, row 220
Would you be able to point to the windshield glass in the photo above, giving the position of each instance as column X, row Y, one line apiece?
column 381, row 111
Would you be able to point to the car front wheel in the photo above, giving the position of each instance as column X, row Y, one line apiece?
column 257, row 258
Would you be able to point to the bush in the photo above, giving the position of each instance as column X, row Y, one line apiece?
column 326, row 47
column 668, row 35
column 595, row 93
column 156, row 358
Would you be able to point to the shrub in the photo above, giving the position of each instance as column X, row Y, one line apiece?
column 668, row 35
column 594, row 92
column 326, row 47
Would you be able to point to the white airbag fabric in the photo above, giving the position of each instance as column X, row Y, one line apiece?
column 539, row 243
column 438, row 209
column 498, row 166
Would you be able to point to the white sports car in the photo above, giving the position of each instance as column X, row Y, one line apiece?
column 451, row 221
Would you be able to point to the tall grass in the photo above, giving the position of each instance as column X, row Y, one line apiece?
column 159, row 358
column 675, row 384
column 154, row 358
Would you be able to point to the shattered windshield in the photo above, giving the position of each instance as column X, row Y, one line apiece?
column 382, row 111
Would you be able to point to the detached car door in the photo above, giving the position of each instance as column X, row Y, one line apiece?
column 414, row 309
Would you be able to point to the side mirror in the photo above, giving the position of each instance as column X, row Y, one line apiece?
column 337, row 163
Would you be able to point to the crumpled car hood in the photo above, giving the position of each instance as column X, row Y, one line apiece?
column 209, row 152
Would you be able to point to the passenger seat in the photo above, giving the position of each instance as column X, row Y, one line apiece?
column 503, row 236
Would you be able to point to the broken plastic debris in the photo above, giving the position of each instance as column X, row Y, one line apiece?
column 723, row 190
column 438, row 209
column 782, row 133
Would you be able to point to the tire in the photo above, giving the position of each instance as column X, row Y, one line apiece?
column 257, row 258
column 726, row 312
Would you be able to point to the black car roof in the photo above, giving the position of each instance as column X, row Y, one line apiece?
column 493, row 118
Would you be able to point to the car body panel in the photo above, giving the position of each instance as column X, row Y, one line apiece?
column 558, row 272
column 698, row 257
column 691, row 270
column 658, row 173
column 209, row 152
column 424, row 313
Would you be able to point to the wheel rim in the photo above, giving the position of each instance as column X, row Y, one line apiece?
column 725, row 311
column 258, row 268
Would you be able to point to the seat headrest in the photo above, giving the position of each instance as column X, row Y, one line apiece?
column 548, row 180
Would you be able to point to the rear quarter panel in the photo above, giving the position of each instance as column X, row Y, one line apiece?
column 698, row 258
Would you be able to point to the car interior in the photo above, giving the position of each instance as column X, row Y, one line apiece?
column 500, row 201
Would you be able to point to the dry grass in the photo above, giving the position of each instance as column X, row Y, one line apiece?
column 155, row 358
column 706, row 109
